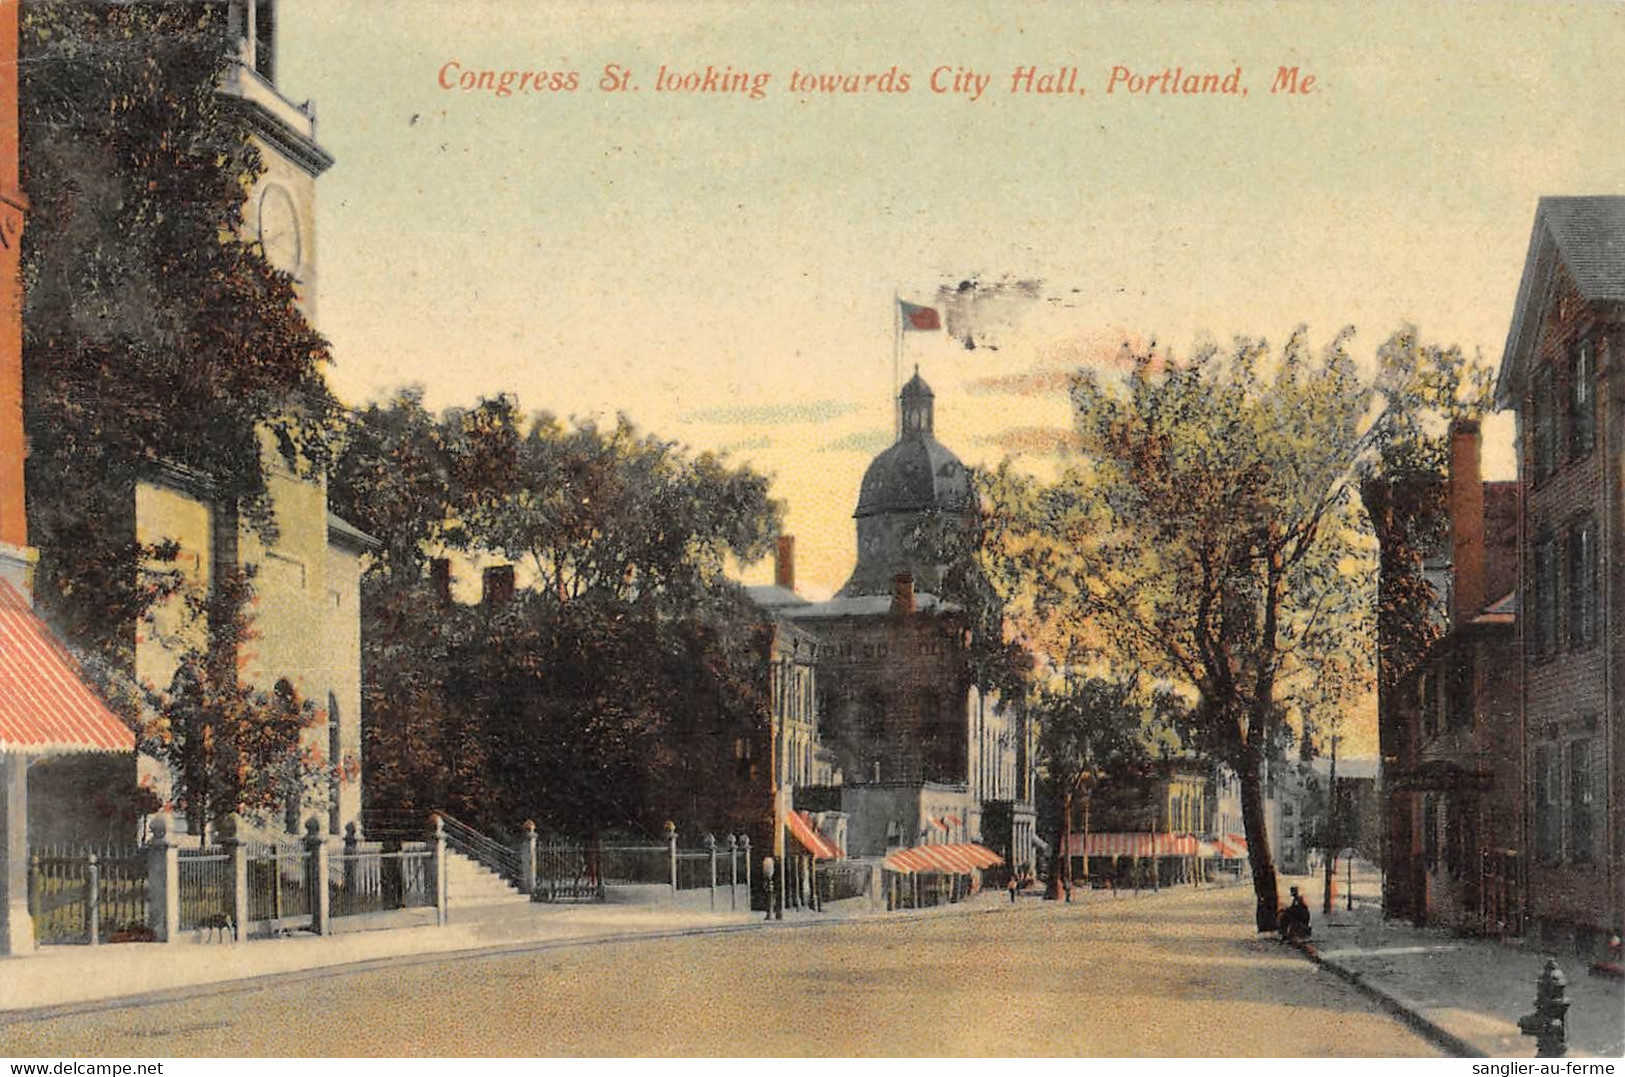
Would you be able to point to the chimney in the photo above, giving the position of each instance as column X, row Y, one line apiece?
column 497, row 589
column 440, row 576
column 1466, row 500
column 902, row 593
column 784, row 563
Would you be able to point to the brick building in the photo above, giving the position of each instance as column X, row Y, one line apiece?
column 1454, row 790
column 927, row 755
column 1562, row 373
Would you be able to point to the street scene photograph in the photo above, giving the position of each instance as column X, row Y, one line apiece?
column 730, row 530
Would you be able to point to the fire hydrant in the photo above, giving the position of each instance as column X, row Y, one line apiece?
column 1549, row 1024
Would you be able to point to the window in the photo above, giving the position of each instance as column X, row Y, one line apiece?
column 1543, row 440
column 1430, row 830
column 1430, row 703
column 1548, row 823
column 1460, row 701
column 1583, row 584
column 1545, row 634
column 1582, row 806
column 1582, row 401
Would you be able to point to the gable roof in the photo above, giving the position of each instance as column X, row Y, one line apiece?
column 45, row 706
column 1588, row 234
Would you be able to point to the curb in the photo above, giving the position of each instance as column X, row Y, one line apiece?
column 1402, row 1008
column 245, row 984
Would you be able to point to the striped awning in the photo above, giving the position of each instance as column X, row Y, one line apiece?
column 1231, row 846
column 956, row 858
column 1134, row 844
column 801, row 826
column 45, row 706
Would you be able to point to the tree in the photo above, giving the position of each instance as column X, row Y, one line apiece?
column 155, row 335
column 230, row 747
column 1089, row 727
column 1208, row 534
column 625, row 667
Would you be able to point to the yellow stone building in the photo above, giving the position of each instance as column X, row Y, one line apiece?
column 306, row 607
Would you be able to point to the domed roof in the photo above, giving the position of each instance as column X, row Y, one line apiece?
column 918, row 473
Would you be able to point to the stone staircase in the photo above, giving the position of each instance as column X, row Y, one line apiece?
column 470, row 884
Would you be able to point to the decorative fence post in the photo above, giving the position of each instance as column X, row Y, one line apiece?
column 744, row 851
column 527, row 859
column 237, row 849
column 93, row 900
column 437, row 866
column 163, row 884
column 711, row 847
column 321, row 921
column 671, row 855
column 733, row 869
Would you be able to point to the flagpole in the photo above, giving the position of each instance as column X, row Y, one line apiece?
column 897, row 364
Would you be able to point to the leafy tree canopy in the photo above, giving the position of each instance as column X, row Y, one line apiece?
column 155, row 334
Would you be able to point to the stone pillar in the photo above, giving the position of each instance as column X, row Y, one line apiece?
column 16, row 926
column 437, row 866
column 733, row 873
column 352, row 863
column 527, row 859
column 163, row 883
column 321, row 919
column 237, row 849
column 671, row 855
column 93, row 900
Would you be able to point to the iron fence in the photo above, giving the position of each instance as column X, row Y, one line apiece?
column 633, row 865
column 566, row 871
column 206, row 884
column 376, row 879
column 278, row 882
column 64, row 881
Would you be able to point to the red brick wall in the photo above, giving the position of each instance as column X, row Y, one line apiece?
column 1567, row 693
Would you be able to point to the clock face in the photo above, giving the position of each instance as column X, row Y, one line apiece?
column 279, row 230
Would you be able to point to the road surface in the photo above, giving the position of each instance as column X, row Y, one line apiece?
column 1178, row 974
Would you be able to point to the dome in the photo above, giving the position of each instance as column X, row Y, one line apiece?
column 916, row 474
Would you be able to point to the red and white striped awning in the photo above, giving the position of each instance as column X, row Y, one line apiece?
column 1134, row 844
column 955, row 858
column 801, row 826
column 45, row 706
column 1231, row 846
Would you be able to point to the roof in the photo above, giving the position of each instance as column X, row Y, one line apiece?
column 865, row 606
column 771, row 596
column 1588, row 235
column 918, row 473
column 347, row 534
column 45, row 706
column 1503, row 611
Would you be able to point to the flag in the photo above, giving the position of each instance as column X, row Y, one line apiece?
column 917, row 318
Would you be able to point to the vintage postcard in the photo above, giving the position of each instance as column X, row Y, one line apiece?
column 743, row 529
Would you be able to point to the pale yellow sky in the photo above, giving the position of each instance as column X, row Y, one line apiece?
column 722, row 268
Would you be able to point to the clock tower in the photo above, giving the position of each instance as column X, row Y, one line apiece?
column 281, row 210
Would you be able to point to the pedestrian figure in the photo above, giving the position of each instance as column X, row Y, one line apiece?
column 1294, row 926
column 1011, row 886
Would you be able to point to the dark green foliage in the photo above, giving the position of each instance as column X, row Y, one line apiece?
column 154, row 335
column 609, row 693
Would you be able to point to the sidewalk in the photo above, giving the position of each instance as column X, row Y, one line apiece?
column 70, row 977
column 1470, row 989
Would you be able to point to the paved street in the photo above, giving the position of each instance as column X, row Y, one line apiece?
column 1176, row 974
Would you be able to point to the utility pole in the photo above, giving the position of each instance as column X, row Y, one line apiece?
column 1331, row 832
